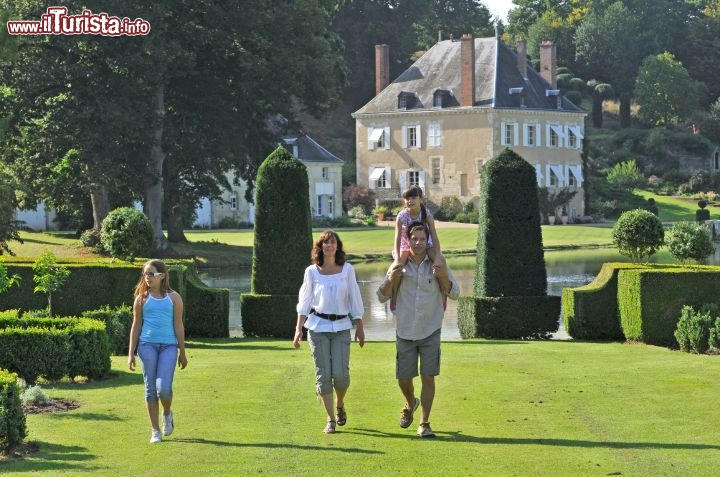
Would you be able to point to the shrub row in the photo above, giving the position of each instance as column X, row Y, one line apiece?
column 54, row 347
column 12, row 418
column 510, row 317
column 95, row 286
column 591, row 312
column 117, row 325
column 651, row 299
column 268, row 315
column 637, row 302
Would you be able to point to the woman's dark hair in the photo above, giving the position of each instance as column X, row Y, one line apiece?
column 318, row 258
column 416, row 191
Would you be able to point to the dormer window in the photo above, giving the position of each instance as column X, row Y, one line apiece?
column 442, row 98
column 407, row 100
column 556, row 93
column 518, row 92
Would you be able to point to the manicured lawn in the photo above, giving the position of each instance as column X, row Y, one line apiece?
column 536, row 408
column 675, row 209
column 454, row 238
column 234, row 248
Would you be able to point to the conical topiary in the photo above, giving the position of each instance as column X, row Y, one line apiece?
column 510, row 288
column 510, row 260
column 281, row 251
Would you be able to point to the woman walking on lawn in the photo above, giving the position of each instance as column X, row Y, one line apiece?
column 329, row 304
column 157, row 334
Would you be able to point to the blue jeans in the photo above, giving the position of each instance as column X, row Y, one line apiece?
column 158, row 363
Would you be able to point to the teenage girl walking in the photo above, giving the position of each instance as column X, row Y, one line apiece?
column 158, row 336
column 414, row 211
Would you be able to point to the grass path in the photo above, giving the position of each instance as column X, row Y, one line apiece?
column 503, row 408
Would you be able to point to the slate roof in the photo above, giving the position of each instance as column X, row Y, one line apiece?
column 309, row 150
column 495, row 73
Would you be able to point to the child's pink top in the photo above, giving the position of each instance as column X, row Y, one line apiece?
column 406, row 219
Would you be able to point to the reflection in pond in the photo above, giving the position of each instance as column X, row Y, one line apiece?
column 565, row 269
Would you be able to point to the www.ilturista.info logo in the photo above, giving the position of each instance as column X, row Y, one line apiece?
column 57, row 22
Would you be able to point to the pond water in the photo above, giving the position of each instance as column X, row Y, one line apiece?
column 565, row 269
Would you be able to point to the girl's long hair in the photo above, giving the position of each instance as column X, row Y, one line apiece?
column 415, row 191
column 318, row 257
column 141, row 289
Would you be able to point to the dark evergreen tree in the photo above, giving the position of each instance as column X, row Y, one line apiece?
column 510, row 289
column 510, row 258
column 283, row 225
column 283, row 243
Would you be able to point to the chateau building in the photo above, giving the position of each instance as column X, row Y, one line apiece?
column 458, row 106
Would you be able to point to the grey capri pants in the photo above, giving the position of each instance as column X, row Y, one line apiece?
column 331, row 354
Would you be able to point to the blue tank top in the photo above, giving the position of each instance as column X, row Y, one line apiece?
column 158, row 321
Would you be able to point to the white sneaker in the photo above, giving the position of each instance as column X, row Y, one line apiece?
column 155, row 437
column 168, row 425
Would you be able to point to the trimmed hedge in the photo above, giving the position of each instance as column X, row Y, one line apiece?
column 54, row 347
column 117, row 325
column 591, row 312
column 12, row 418
column 651, row 299
column 641, row 302
column 94, row 286
column 512, row 317
column 207, row 309
column 9, row 314
column 268, row 315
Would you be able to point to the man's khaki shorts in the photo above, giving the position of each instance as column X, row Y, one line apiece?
column 408, row 352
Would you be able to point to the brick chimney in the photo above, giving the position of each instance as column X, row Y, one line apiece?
column 382, row 68
column 548, row 62
column 522, row 57
column 467, row 70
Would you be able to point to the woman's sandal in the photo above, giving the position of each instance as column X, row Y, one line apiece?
column 329, row 427
column 341, row 416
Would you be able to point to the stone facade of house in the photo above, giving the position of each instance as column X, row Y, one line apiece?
column 458, row 106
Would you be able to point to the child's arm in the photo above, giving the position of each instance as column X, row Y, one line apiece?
column 398, row 234
column 433, row 234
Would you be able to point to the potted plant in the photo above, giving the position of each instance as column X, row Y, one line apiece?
column 564, row 215
column 380, row 212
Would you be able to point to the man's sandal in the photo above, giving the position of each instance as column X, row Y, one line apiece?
column 341, row 416
column 329, row 427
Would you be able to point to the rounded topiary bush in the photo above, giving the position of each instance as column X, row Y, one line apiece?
column 126, row 233
column 689, row 241
column 638, row 233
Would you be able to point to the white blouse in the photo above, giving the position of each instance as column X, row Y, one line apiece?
column 336, row 294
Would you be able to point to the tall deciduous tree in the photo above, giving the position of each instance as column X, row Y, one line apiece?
column 664, row 90
column 452, row 17
column 170, row 111
column 607, row 47
column 700, row 52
